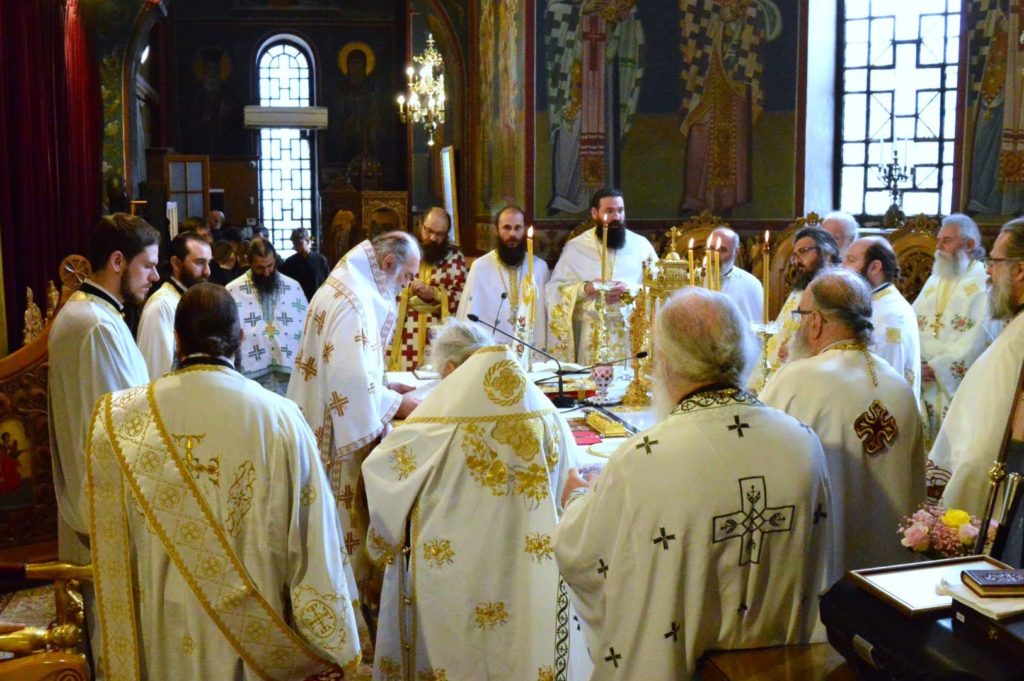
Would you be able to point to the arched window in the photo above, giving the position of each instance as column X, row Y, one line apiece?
column 286, row 171
column 899, row 98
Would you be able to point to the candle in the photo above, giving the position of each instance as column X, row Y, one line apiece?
column 718, row 264
column 604, row 253
column 529, row 251
column 708, row 266
column 693, row 273
column 766, row 270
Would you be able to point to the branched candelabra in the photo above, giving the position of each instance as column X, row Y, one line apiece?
column 893, row 175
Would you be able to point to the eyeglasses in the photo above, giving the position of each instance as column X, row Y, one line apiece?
column 798, row 314
column 801, row 252
column 989, row 262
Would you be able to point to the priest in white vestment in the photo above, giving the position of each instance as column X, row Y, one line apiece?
column 339, row 380
column 951, row 316
column 843, row 227
column 223, row 541
column 814, row 249
column 91, row 352
column 972, row 432
column 895, row 337
column 743, row 287
column 272, row 308
column 570, row 292
column 863, row 411
column 463, row 500
column 190, row 265
column 711, row 530
column 497, row 290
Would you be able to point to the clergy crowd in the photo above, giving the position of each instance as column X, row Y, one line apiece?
column 260, row 496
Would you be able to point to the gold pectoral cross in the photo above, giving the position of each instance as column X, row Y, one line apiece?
column 936, row 325
column 211, row 470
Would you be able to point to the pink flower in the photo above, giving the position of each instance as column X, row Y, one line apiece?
column 968, row 534
column 916, row 537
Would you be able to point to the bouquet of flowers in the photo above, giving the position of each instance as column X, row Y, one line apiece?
column 940, row 532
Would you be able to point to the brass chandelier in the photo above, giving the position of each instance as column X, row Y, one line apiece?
column 423, row 101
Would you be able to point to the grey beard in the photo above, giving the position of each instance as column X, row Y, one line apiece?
column 798, row 347
column 946, row 267
column 1001, row 304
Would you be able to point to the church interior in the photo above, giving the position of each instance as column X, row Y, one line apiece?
column 762, row 116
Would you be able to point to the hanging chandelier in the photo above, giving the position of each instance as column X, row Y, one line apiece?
column 423, row 101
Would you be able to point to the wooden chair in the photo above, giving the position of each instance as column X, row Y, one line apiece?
column 51, row 653
column 915, row 243
column 28, row 512
column 698, row 228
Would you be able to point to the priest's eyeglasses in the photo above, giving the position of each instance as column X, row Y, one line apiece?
column 798, row 314
column 801, row 252
column 989, row 263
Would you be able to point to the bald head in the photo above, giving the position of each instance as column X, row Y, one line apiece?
column 842, row 297
column 843, row 227
column 730, row 243
column 874, row 259
column 702, row 338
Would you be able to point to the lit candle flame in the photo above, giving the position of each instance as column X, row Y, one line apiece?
column 529, row 232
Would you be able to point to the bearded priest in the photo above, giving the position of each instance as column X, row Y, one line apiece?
column 431, row 296
column 190, row 265
column 463, row 503
column 271, row 308
column 609, row 249
column 659, row 576
column 951, row 315
column 972, row 432
column 814, row 249
column 863, row 410
column 339, row 381
column 496, row 284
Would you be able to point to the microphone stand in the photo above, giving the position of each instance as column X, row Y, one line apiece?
column 561, row 401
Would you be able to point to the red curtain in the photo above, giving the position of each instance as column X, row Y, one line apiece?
column 50, row 146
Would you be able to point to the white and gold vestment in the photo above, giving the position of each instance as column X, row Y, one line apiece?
column 216, row 550
column 470, row 484
column 951, row 318
column 571, row 316
column 339, row 384
column 488, row 278
column 867, row 419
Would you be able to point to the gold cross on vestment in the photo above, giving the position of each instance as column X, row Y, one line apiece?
column 936, row 325
column 338, row 403
column 211, row 470
column 271, row 330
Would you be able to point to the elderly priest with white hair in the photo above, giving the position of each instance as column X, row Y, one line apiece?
column 972, row 433
column 463, row 501
column 743, row 287
column 709, row 531
column 339, row 381
column 863, row 410
column 951, row 313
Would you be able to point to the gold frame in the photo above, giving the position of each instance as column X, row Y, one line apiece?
column 863, row 579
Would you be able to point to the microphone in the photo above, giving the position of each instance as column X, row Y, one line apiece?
column 497, row 315
column 583, row 370
column 561, row 401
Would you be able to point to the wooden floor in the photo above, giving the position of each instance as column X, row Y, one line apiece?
column 815, row 662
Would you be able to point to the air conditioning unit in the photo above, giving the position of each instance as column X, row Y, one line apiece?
column 305, row 117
